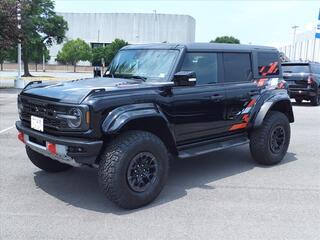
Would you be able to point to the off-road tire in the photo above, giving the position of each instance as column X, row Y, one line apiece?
column 298, row 100
column 260, row 139
column 114, row 166
column 45, row 163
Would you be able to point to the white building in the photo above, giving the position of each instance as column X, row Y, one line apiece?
column 305, row 48
column 102, row 28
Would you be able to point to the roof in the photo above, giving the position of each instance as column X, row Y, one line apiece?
column 201, row 46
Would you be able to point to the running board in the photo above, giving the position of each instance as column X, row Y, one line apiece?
column 212, row 147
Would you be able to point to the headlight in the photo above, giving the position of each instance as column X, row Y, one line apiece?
column 75, row 119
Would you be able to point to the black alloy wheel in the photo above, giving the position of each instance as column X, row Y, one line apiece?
column 142, row 171
column 277, row 139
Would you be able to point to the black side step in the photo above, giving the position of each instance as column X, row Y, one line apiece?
column 212, row 147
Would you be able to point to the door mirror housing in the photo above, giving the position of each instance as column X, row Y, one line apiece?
column 185, row 78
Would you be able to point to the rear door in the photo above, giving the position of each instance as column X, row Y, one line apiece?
column 240, row 89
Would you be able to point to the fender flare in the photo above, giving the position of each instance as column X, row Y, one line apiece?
column 120, row 116
column 269, row 104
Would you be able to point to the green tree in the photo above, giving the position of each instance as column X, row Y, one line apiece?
column 98, row 54
column 8, row 24
column 74, row 51
column 226, row 39
column 9, row 54
column 108, row 52
column 112, row 49
column 39, row 51
column 8, row 28
column 39, row 24
column 3, row 57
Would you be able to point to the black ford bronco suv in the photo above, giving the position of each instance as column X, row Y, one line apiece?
column 158, row 102
column 303, row 79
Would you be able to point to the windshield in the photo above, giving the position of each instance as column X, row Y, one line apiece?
column 296, row 68
column 147, row 65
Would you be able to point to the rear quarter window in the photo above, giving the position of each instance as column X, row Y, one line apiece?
column 295, row 68
column 268, row 63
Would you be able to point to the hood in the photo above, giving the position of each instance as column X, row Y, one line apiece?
column 75, row 91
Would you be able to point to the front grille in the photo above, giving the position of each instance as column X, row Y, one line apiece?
column 44, row 110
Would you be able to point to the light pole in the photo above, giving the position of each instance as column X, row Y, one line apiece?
column 43, row 60
column 294, row 41
column 154, row 25
column 19, row 83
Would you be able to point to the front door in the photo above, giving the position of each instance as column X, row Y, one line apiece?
column 199, row 109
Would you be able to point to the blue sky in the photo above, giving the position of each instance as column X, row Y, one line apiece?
column 256, row 22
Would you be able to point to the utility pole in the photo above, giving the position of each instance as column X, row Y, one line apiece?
column 307, row 50
column 43, row 60
column 294, row 41
column 19, row 83
column 314, row 49
column 300, row 52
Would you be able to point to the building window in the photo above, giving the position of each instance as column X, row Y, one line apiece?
column 96, row 45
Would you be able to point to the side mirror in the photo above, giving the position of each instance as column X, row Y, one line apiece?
column 107, row 72
column 185, row 78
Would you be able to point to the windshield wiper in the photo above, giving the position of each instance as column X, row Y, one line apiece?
column 139, row 77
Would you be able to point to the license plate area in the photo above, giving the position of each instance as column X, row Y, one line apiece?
column 37, row 123
column 37, row 141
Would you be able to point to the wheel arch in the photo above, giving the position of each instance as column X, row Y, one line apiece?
column 281, row 105
column 143, row 117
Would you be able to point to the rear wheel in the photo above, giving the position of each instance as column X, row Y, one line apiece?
column 269, row 142
column 133, row 169
column 45, row 163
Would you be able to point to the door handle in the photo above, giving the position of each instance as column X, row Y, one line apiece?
column 216, row 97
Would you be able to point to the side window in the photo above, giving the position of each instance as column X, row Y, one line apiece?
column 268, row 63
column 237, row 67
column 205, row 65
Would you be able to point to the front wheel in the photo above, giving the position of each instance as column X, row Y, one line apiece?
column 133, row 169
column 269, row 142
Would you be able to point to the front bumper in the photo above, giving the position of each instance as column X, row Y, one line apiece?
column 301, row 92
column 72, row 151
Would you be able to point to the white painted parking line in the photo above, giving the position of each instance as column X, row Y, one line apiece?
column 6, row 129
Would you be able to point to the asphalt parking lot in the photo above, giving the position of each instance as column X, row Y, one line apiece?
column 221, row 196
